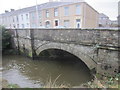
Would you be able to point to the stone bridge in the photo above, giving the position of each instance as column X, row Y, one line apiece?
column 98, row 49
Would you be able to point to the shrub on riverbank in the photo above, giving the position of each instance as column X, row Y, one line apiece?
column 104, row 82
column 6, row 39
column 53, row 84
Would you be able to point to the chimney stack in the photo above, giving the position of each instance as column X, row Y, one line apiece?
column 6, row 11
column 12, row 10
column 50, row 0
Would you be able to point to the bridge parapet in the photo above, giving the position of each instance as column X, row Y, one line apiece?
column 78, row 36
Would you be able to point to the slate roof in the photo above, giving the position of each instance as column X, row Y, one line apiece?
column 40, row 7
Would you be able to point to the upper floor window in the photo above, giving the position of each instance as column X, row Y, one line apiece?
column 17, row 18
column 66, row 11
column 22, row 17
column 56, row 12
column 33, row 15
column 27, row 16
column 39, row 14
column 47, row 13
column 13, row 19
column 77, row 9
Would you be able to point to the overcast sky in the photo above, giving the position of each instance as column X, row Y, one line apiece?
column 108, row 7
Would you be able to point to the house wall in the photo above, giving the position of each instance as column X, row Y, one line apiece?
column 88, row 16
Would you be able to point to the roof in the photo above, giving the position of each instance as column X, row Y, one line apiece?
column 40, row 7
column 103, row 15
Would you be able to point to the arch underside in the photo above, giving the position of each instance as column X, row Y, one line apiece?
column 72, row 49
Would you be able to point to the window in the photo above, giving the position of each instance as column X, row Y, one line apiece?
column 47, row 13
column 17, row 25
column 27, row 24
column 47, row 24
column 10, row 25
column 66, row 23
column 77, row 9
column 27, row 17
column 22, row 25
column 14, row 26
column 56, row 22
column 33, row 25
column 13, row 19
column 40, row 23
column 39, row 14
column 33, row 15
column 66, row 11
column 56, row 12
column 17, row 18
column 22, row 17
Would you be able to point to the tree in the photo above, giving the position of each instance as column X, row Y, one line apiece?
column 6, row 38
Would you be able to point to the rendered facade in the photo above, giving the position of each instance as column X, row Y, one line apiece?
column 104, row 20
column 53, row 14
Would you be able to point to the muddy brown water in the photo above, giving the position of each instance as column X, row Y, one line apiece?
column 25, row 72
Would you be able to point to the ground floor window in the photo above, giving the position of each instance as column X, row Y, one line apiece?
column 47, row 24
column 66, row 23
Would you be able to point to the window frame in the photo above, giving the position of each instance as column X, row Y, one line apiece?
column 78, row 9
column 66, row 11
column 55, row 12
column 47, row 13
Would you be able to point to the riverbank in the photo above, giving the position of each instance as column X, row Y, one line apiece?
column 5, row 84
column 101, row 81
column 92, row 84
column 23, row 64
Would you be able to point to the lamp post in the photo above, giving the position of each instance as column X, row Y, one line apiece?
column 37, row 25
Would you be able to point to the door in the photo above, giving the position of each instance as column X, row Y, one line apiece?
column 78, row 23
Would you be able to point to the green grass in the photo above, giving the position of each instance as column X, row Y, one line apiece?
column 53, row 84
column 13, row 86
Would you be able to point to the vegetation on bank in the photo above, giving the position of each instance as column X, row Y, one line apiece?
column 6, row 40
column 5, row 84
column 53, row 84
column 104, row 82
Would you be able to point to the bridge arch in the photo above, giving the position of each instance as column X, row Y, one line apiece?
column 72, row 49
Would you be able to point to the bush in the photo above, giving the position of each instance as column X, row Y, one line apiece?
column 6, row 39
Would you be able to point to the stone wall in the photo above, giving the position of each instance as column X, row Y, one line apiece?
column 22, row 41
column 77, row 36
column 100, row 46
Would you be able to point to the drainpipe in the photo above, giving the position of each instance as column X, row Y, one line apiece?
column 84, row 13
column 37, row 25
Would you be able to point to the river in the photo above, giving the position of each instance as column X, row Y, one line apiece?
column 29, row 73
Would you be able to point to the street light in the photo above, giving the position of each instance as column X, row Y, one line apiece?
column 37, row 15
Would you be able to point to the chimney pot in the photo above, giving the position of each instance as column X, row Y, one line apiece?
column 12, row 10
column 6, row 11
